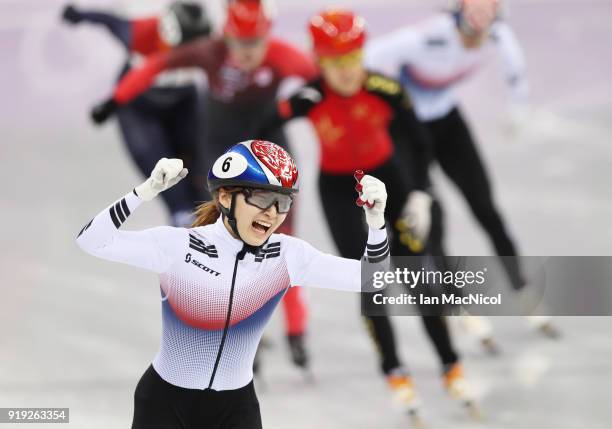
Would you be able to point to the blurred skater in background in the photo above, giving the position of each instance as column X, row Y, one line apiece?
column 431, row 59
column 165, row 120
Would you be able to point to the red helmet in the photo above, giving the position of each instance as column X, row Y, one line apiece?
column 337, row 32
column 246, row 19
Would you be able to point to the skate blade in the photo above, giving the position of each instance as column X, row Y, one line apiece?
column 491, row 347
column 415, row 419
column 473, row 410
column 549, row 331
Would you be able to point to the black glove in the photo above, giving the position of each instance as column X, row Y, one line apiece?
column 103, row 111
column 71, row 14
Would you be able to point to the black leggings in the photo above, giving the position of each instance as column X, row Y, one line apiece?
column 347, row 227
column 164, row 122
column 161, row 405
column 458, row 157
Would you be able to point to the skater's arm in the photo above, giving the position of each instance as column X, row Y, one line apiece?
column 138, row 80
column 310, row 267
column 153, row 249
column 298, row 105
column 119, row 27
column 389, row 52
column 513, row 60
column 313, row 268
column 145, row 38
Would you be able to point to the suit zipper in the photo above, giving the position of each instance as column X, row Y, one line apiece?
column 239, row 256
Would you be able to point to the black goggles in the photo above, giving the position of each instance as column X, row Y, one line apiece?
column 264, row 199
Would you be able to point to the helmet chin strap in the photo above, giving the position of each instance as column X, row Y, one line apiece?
column 230, row 215
column 231, row 219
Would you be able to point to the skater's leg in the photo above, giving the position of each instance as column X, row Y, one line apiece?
column 437, row 326
column 458, row 157
column 147, row 142
column 295, row 324
column 184, row 124
column 478, row 326
column 155, row 405
column 223, row 409
column 295, row 311
column 243, row 411
column 439, row 335
column 294, row 306
column 381, row 332
column 348, row 231
column 434, row 323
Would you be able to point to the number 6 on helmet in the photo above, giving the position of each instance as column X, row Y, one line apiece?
column 255, row 164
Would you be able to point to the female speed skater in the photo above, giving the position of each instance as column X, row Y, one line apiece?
column 221, row 279
column 163, row 121
column 245, row 68
column 358, row 116
column 430, row 60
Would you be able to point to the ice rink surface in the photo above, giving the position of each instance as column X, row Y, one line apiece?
column 78, row 332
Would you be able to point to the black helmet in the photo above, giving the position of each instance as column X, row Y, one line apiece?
column 182, row 22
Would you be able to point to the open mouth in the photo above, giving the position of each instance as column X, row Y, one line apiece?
column 261, row 227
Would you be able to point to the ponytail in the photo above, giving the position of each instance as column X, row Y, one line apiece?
column 206, row 213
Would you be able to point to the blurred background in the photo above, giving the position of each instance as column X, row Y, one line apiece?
column 78, row 332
